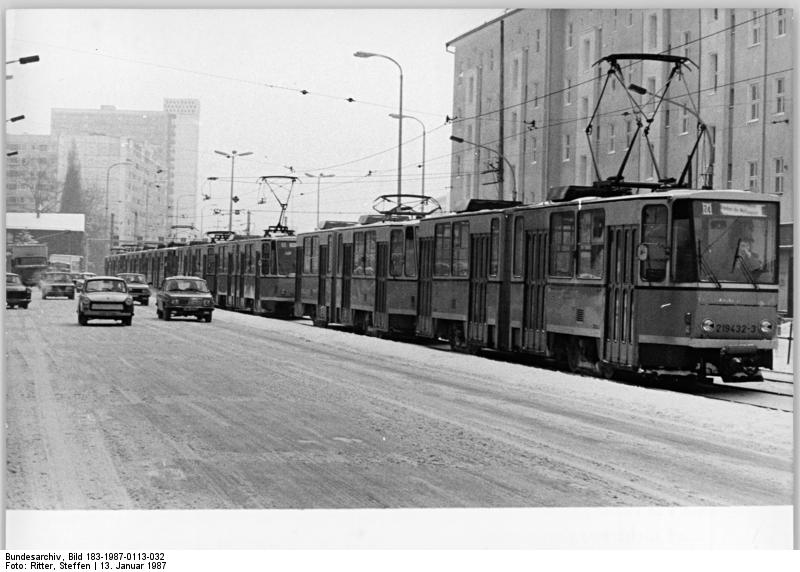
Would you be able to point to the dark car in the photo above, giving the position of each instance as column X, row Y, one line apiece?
column 137, row 287
column 81, row 278
column 17, row 294
column 105, row 297
column 57, row 284
column 184, row 296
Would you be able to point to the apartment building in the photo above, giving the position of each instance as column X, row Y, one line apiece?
column 526, row 85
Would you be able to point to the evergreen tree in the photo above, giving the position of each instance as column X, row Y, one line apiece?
column 72, row 195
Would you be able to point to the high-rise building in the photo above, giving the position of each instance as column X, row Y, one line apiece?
column 525, row 86
column 31, row 174
column 171, row 133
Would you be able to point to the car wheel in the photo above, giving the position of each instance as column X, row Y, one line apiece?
column 159, row 314
column 71, row 296
column 127, row 321
column 167, row 314
column 146, row 302
column 208, row 318
column 44, row 295
column 82, row 320
column 24, row 305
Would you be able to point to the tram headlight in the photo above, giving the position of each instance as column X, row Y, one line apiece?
column 708, row 325
column 766, row 326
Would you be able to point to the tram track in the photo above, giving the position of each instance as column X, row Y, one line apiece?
column 734, row 393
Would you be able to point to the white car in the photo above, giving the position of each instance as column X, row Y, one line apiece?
column 105, row 297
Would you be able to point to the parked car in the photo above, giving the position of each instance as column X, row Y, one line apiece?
column 82, row 276
column 184, row 296
column 17, row 294
column 105, row 297
column 137, row 287
column 57, row 284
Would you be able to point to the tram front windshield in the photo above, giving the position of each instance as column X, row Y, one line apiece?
column 724, row 241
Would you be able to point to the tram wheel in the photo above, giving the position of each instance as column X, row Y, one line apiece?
column 573, row 352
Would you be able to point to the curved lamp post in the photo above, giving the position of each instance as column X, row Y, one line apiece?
column 400, row 123
column 232, row 156
column 424, row 132
column 510, row 166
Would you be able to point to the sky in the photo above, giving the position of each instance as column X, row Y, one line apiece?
column 247, row 68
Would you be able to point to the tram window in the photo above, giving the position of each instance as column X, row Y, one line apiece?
column 461, row 248
column 314, row 254
column 494, row 240
column 396, row 252
column 684, row 261
column 331, row 256
column 358, row 254
column 443, row 250
column 519, row 245
column 284, row 261
column 654, row 236
column 265, row 258
column 410, row 252
column 562, row 244
column 369, row 253
column 591, row 243
column 307, row 255
column 340, row 254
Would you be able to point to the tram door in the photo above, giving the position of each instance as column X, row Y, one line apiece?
column 478, row 281
column 241, row 275
column 347, row 273
column 380, row 318
column 425, row 293
column 334, row 255
column 322, row 298
column 619, row 345
column 534, row 334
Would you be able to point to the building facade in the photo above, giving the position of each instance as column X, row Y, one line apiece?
column 526, row 84
column 31, row 181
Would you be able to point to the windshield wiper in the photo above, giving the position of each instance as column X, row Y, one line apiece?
column 704, row 265
column 746, row 270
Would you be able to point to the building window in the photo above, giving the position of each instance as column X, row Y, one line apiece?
column 780, row 169
column 628, row 133
column 781, row 21
column 714, row 61
column 534, row 150
column 752, row 175
column 567, row 148
column 630, row 18
column 780, row 95
column 652, row 28
column 651, row 89
column 587, row 54
column 515, row 73
column 716, row 13
column 755, row 101
column 471, row 90
column 538, row 40
column 687, row 38
column 491, row 59
column 583, row 170
column 569, row 35
column 612, row 147
column 536, row 94
column 666, row 117
column 685, row 121
column 755, row 28
column 567, row 91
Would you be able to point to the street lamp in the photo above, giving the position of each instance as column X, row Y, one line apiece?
column 108, row 221
column 232, row 156
column 510, row 166
column 400, row 123
column 15, row 119
column 396, row 116
column 319, row 180
column 25, row 60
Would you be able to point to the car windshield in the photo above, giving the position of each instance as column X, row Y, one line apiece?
column 12, row 279
column 106, row 286
column 134, row 278
column 57, row 277
column 186, row 285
